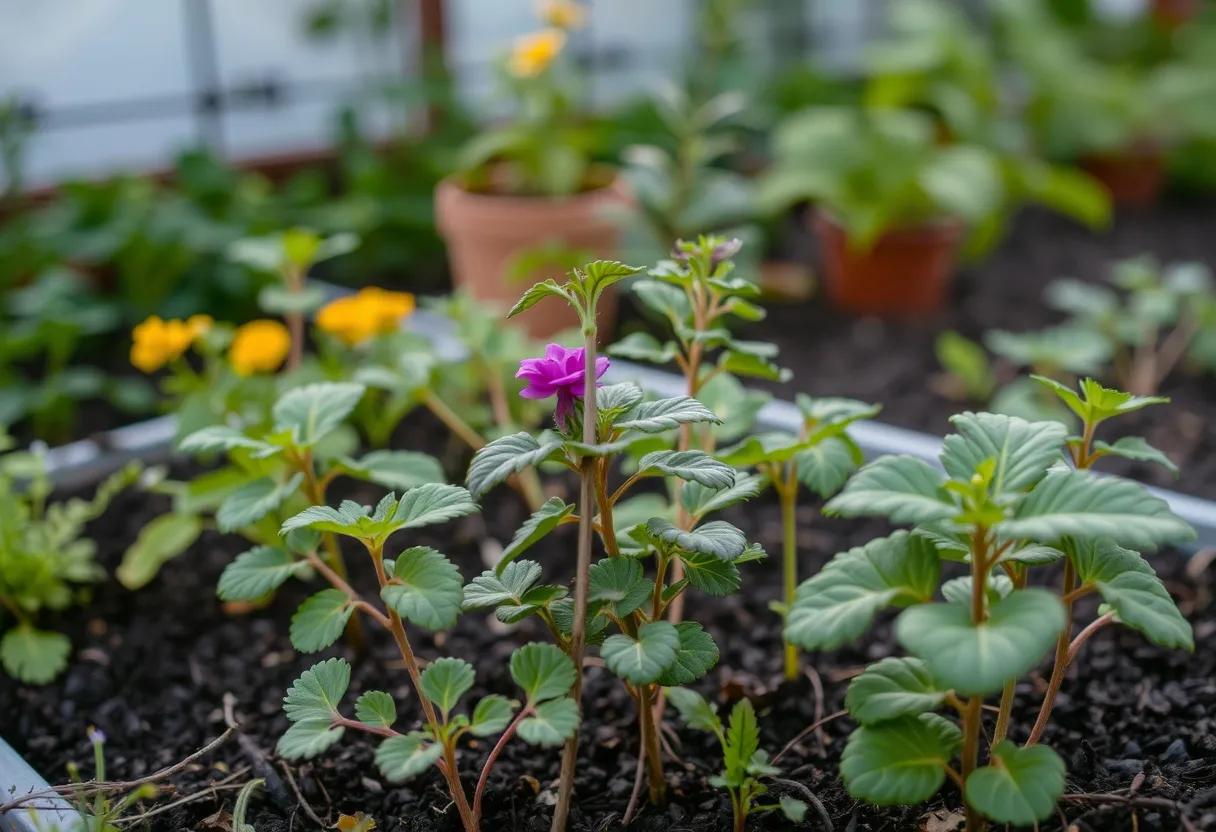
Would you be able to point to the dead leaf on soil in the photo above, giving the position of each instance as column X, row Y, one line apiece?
column 942, row 820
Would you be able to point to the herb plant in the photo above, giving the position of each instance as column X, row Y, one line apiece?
column 1006, row 506
column 422, row 587
column 594, row 428
column 744, row 763
column 46, row 560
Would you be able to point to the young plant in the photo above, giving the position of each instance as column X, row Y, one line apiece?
column 821, row 457
column 698, row 296
column 744, row 763
column 422, row 587
column 543, row 149
column 1005, row 507
column 595, row 427
column 45, row 561
column 105, row 811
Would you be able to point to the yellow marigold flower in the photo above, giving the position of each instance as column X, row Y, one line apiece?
column 372, row 311
column 199, row 325
column 156, row 342
column 562, row 14
column 533, row 53
column 259, row 347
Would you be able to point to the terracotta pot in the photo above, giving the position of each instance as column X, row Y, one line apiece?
column 905, row 272
column 485, row 232
column 1134, row 177
column 1171, row 14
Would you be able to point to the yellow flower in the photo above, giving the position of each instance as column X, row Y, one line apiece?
column 156, row 342
column 562, row 14
column 259, row 346
column 533, row 53
column 372, row 311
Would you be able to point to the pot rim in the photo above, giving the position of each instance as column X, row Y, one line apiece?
column 944, row 225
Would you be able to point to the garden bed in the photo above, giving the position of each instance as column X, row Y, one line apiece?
column 152, row 669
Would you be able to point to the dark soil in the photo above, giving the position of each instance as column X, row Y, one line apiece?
column 152, row 669
column 893, row 362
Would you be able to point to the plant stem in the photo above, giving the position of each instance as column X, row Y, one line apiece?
column 314, row 491
column 397, row 628
column 494, row 754
column 973, row 710
column 788, row 494
column 1002, row 718
column 586, row 518
column 651, row 746
column 295, row 320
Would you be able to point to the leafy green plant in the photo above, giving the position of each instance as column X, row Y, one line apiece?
column 744, row 763
column 45, row 560
column 1005, row 507
column 596, row 428
column 422, row 587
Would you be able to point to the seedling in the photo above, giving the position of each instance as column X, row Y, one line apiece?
column 744, row 763
column 422, row 587
column 106, row 810
column 1005, row 506
column 45, row 561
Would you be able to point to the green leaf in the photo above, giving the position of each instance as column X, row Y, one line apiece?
column 717, row 539
column 530, row 603
column 615, row 400
column 667, row 414
column 794, row 810
column 312, row 411
column 619, row 582
column 432, row 503
column 222, row 438
column 825, row 467
column 350, row 518
column 976, row 660
column 1129, row 585
column 320, row 620
column 375, row 707
column 838, row 605
column 696, row 656
column 316, row 693
column 902, row 488
column 307, row 738
column 253, row 501
column 640, row 346
column 256, row 572
column 543, row 521
column 1077, row 504
column 426, row 589
column 505, row 456
column 538, row 292
column 34, row 656
column 1019, row 785
column 161, row 540
column 492, row 588
column 1135, row 448
column 742, row 742
column 399, row 470
column 492, row 714
column 958, row 590
column 644, row 659
column 751, row 365
column 543, row 671
column 552, row 723
column 445, row 680
column 764, row 447
column 893, row 688
column 400, row 758
column 1097, row 403
column 696, row 712
column 711, row 575
column 694, row 466
column 1023, row 450
column 902, row 761
column 699, row 500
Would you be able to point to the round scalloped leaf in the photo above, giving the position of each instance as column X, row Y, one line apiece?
column 315, row 694
column 1127, row 582
column 492, row 714
column 1019, row 785
column 320, row 620
column 307, row 738
column 375, row 707
column 256, row 572
column 552, row 723
column 902, row 761
column 446, row 680
column 644, row 659
column 893, row 688
column 426, row 588
column 695, row 657
column 34, row 656
column 543, row 671
column 400, row 758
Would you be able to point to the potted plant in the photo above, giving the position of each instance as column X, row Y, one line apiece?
column 527, row 193
column 892, row 202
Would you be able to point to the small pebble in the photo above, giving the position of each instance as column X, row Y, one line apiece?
column 1176, row 752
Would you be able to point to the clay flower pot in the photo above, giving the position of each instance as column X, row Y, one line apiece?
column 905, row 272
column 1133, row 177
column 486, row 231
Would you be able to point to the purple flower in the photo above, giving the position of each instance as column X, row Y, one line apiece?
column 96, row 735
column 560, row 373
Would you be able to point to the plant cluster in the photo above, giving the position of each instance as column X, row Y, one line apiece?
column 1148, row 322
column 1015, row 498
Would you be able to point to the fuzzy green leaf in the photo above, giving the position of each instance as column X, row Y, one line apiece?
column 696, row 712
column 543, row 671
column 825, row 468
column 696, row 656
column 253, row 501
column 315, row 694
column 699, row 500
column 320, row 620
column 491, row 588
column 717, row 539
column 426, row 589
column 1136, row 449
column 400, row 758
column 893, row 688
column 619, row 582
column 902, row 761
column 538, row 292
column 902, row 488
column 667, row 414
column 256, row 572
column 307, row 738
column 711, row 575
column 642, row 660
column 161, row 540
column 978, row 660
column 492, row 714
column 552, row 723
column 223, row 438
column 312, row 411
column 641, row 346
column 445, row 680
column 1019, row 785
column 375, row 707
column 742, row 742
column 34, row 656
column 1023, row 450
column 432, row 503
column 693, row 466
column 838, row 605
column 399, row 470
column 505, row 456
column 543, row 521
column 1131, row 587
